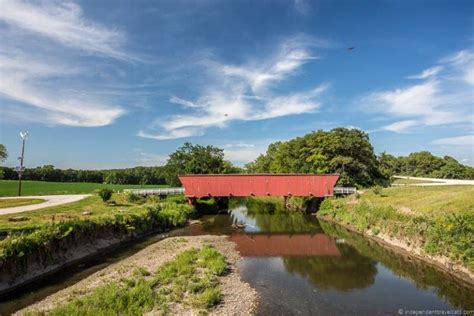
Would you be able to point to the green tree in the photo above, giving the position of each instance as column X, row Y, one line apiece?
column 3, row 157
column 347, row 152
column 194, row 159
column 105, row 194
column 3, row 153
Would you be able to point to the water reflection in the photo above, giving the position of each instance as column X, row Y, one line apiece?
column 285, row 245
column 348, row 271
column 322, row 269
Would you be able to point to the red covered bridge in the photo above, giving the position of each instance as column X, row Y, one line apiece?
column 242, row 185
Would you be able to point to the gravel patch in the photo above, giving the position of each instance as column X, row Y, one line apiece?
column 238, row 297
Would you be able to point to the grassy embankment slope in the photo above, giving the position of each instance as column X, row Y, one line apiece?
column 10, row 187
column 4, row 203
column 438, row 221
column 45, row 232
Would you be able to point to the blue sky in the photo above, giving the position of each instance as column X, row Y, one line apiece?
column 102, row 84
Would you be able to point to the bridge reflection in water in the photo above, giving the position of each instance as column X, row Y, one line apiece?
column 285, row 245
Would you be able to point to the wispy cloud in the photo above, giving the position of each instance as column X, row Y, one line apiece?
column 244, row 92
column 427, row 73
column 63, row 22
column 302, row 6
column 400, row 126
column 444, row 96
column 465, row 140
column 146, row 159
column 38, row 78
column 242, row 153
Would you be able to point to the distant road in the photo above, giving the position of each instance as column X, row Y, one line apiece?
column 433, row 181
column 51, row 200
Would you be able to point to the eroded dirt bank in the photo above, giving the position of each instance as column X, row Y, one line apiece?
column 238, row 297
column 443, row 263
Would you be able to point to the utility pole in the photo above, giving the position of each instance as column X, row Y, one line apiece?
column 21, row 168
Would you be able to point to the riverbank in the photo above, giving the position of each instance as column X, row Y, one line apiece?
column 237, row 297
column 434, row 224
column 47, row 240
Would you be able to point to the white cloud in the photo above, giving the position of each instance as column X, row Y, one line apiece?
column 149, row 159
column 185, row 103
column 427, row 73
column 62, row 22
column 176, row 133
column 36, row 78
column 244, row 92
column 242, row 153
column 445, row 96
column 239, row 145
column 466, row 140
column 302, row 6
column 401, row 126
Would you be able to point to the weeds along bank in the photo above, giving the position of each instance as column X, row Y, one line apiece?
column 433, row 223
column 45, row 240
column 175, row 276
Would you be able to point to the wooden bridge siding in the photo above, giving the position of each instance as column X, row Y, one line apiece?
column 259, row 185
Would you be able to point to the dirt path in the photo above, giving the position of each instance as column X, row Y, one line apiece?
column 238, row 297
column 434, row 181
column 50, row 200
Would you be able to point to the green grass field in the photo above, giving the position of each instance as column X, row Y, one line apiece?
column 4, row 203
column 93, row 205
column 434, row 200
column 10, row 187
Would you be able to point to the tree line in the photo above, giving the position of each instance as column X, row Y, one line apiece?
column 349, row 153
column 424, row 164
column 345, row 151
column 136, row 175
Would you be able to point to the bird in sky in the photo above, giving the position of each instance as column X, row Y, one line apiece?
column 351, row 48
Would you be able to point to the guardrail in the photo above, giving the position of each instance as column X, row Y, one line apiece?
column 166, row 191
column 344, row 190
column 175, row 191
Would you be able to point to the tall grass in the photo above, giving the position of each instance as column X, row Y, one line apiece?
column 190, row 279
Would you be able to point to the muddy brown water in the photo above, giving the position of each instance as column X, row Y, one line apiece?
column 301, row 266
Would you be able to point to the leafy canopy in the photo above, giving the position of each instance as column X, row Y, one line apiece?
column 196, row 159
column 347, row 152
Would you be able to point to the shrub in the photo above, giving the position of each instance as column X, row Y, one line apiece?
column 105, row 194
column 134, row 198
column 377, row 190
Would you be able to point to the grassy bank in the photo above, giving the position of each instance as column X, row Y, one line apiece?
column 10, row 187
column 436, row 220
column 191, row 279
column 4, row 203
column 47, row 236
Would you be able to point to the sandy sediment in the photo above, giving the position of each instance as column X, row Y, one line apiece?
column 238, row 297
